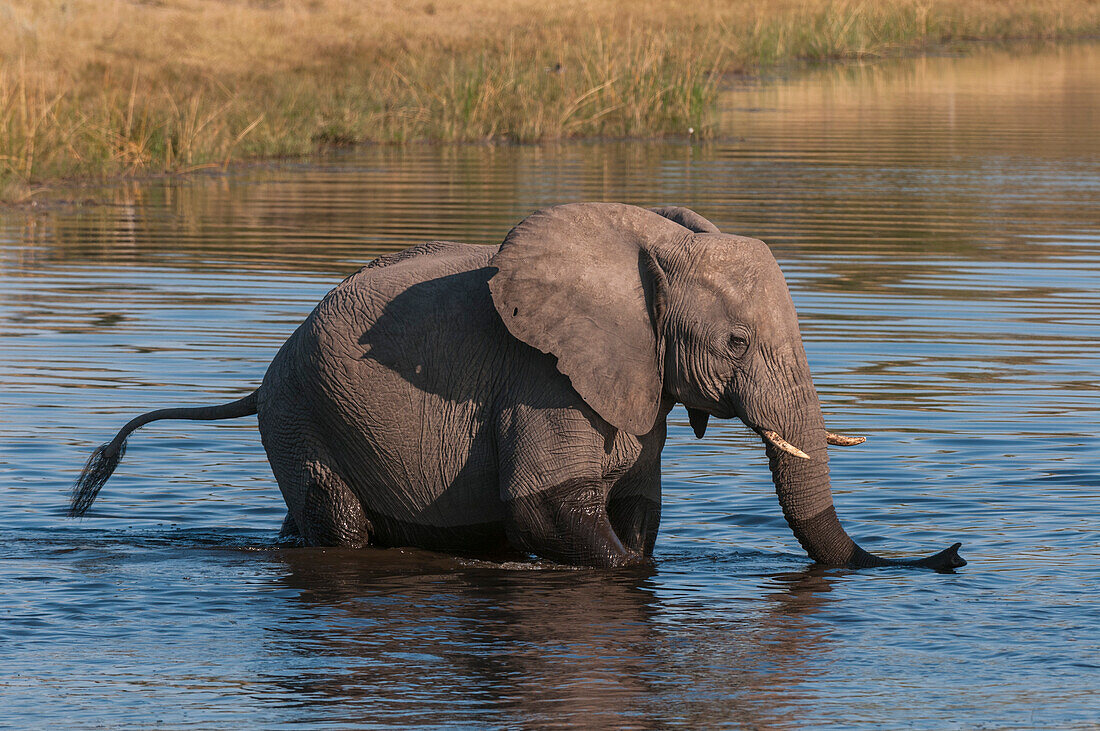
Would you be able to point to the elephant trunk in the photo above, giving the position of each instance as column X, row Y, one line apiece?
column 800, row 471
column 803, row 487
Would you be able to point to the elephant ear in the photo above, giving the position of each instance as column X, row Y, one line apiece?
column 582, row 282
column 690, row 219
column 687, row 218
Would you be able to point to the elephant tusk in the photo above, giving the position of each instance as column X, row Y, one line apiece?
column 839, row 440
column 780, row 443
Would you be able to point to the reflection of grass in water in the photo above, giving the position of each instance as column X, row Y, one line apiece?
column 92, row 87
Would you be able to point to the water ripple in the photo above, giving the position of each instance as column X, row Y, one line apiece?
column 938, row 225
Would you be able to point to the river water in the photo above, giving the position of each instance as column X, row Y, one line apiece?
column 938, row 220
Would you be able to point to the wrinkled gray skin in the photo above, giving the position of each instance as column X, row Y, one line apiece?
column 481, row 398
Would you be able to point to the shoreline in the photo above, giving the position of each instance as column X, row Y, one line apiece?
column 664, row 99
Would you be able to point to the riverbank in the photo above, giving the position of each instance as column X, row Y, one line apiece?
column 93, row 88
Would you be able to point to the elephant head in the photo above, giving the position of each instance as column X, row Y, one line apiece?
column 640, row 306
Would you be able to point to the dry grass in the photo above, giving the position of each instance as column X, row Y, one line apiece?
column 105, row 87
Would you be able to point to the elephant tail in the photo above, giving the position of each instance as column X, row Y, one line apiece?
column 101, row 465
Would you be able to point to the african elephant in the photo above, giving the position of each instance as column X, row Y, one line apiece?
column 460, row 397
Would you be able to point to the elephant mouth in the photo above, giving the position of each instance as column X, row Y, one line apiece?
column 699, row 424
column 699, row 419
column 770, row 436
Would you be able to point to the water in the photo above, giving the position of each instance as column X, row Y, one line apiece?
column 939, row 224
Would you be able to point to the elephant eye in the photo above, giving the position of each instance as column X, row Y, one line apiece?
column 738, row 344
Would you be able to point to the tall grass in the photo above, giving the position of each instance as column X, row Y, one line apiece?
column 104, row 87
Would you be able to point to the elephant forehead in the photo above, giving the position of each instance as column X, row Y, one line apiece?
column 740, row 280
column 726, row 253
column 738, row 266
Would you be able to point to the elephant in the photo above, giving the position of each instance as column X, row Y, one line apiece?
column 513, row 398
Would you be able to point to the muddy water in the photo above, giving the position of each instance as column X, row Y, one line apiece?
column 939, row 223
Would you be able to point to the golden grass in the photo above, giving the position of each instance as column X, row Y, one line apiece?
column 105, row 87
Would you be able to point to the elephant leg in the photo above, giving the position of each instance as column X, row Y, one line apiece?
column 568, row 524
column 330, row 514
column 635, row 519
column 634, row 503
column 322, row 509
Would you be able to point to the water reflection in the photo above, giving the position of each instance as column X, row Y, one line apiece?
column 537, row 645
column 930, row 113
column 926, row 155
